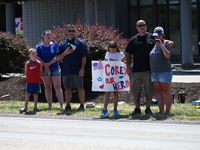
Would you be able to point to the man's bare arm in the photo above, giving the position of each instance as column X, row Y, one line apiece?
column 66, row 52
column 128, row 62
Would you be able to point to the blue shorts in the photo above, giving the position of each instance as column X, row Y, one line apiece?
column 33, row 88
column 165, row 77
column 53, row 72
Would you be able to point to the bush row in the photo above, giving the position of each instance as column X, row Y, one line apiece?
column 13, row 53
column 13, row 49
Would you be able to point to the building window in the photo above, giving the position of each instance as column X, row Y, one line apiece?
column 166, row 13
column 173, row 1
column 147, row 15
column 161, row 2
column 174, row 28
column 133, row 2
column 195, row 45
column 145, row 2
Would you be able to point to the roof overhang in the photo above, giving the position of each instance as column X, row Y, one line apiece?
column 8, row 1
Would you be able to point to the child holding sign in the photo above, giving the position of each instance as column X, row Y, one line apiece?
column 113, row 54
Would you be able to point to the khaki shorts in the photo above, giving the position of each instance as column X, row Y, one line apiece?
column 72, row 81
column 141, row 78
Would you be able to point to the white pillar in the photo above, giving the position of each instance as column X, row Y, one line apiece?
column 91, row 11
column 95, row 11
column 186, row 33
column 10, row 17
column 88, row 11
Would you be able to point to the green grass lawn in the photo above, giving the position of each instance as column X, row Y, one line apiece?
column 179, row 111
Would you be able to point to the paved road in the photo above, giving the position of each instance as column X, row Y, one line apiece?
column 41, row 134
column 186, row 76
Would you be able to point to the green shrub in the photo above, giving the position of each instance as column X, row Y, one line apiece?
column 96, row 38
column 19, row 34
column 13, row 52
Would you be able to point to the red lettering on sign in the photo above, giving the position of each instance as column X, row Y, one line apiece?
column 116, row 70
column 110, row 80
column 106, row 69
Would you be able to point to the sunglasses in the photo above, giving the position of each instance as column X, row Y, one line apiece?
column 71, row 30
column 141, row 25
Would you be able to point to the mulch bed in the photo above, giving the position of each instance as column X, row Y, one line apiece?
column 13, row 88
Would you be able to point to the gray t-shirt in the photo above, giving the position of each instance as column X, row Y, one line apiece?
column 158, row 62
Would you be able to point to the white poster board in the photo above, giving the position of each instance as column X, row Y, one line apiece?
column 109, row 76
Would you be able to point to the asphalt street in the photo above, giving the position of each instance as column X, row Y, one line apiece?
column 56, row 134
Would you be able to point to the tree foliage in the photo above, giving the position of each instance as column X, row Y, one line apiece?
column 13, row 51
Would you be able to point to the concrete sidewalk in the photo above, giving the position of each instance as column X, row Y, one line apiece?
column 191, row 75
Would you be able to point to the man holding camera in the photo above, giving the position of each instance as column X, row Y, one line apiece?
column 139, row 48
column 72, row 52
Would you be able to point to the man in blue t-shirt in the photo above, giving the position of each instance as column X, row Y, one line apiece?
column 72, row 52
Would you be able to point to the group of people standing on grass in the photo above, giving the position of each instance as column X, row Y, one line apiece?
column 72, row 52
column 147, row 53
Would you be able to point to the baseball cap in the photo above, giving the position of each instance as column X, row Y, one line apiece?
column 158, row 31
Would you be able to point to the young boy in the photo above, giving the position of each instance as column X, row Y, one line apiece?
column 33, row 70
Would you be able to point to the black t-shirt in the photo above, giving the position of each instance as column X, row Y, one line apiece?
column 140, row 47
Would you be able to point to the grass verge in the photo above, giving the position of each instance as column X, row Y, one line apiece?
column 178, row 111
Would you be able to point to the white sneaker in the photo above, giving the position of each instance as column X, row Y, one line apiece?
column 22, row 110
column 62, row 108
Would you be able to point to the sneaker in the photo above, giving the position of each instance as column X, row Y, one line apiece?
column 81, row 108
column 104, row 113
column 62, row 108
column 135, row 112
column 49, row 108
column 148, row 111
column 167, row 114
column 35, row 109
column 22, row 110
column 115, row 112
column 68, row 107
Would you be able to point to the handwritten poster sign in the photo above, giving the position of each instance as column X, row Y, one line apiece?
column 109, row 76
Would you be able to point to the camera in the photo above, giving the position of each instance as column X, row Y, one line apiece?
column 157, row 41
column 153, row 41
